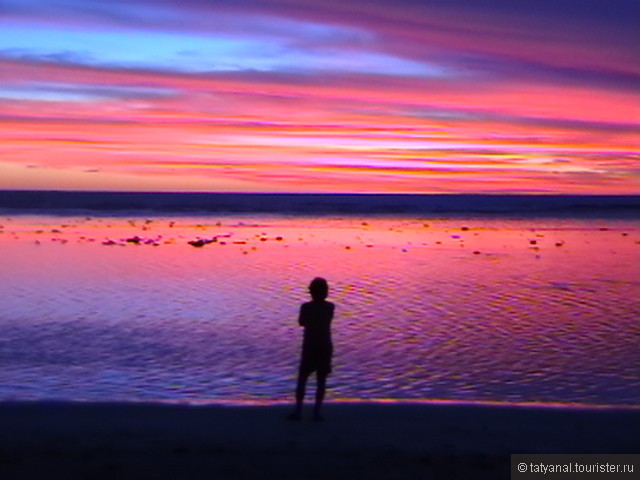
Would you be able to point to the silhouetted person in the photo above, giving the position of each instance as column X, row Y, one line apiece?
column 317, row 348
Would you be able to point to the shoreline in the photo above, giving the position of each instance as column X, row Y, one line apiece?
column 365, row 440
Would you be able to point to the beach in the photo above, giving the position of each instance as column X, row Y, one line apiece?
column 166, row 347
column 359, row 440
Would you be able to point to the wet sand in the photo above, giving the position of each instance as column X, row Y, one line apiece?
column 131, row 441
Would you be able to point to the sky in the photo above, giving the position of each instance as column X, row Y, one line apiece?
column 411, row 96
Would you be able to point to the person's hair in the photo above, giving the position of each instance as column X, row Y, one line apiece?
column 319, row 288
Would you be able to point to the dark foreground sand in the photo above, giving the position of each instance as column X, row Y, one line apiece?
column 369, row 441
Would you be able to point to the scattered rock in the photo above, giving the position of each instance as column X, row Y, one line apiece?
column 200, row 242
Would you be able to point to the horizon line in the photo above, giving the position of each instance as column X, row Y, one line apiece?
column 360, row 194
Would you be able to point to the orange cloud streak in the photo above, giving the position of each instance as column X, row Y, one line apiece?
column 275, row 132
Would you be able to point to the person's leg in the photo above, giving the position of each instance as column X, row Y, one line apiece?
column 301, row 387
column 320, row 391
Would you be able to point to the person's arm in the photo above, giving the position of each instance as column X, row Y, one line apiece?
column 331, row 310
column 302, row 318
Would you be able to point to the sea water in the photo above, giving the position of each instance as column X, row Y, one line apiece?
column 494, row 309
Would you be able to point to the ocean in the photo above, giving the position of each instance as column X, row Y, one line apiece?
column 194, row 298
column 322, row 204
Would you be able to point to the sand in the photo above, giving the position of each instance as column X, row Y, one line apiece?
column 127, row 441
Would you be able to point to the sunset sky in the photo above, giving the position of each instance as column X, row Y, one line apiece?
column 440, row 96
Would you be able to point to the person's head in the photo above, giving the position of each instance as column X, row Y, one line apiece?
column 319, row 289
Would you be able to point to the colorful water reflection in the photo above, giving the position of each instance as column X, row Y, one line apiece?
column 481, row 309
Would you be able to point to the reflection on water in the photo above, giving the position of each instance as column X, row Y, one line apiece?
column 480, row 309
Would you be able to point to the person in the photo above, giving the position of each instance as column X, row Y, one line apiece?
column 317, row 348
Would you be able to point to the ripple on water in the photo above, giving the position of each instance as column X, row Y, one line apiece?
column 85, row 321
